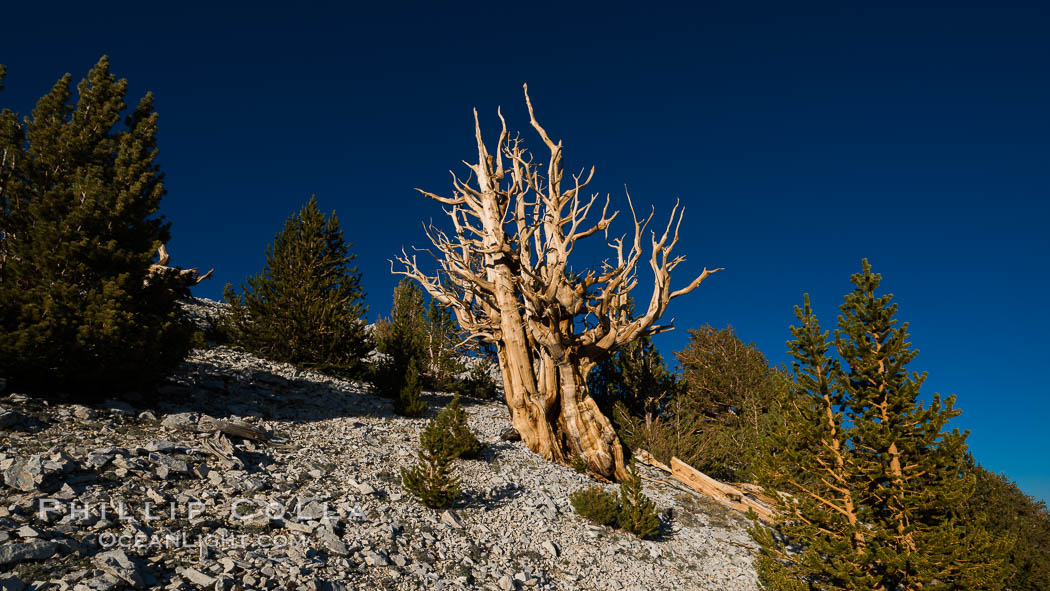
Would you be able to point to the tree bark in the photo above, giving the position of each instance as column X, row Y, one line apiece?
column 504, row 271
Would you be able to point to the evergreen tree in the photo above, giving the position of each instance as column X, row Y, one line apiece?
column 452, row 420
column 732, row 393
column 306, row 307
column 404, row 335
column 403, row 339
column 408, row 402
column 1018, row 522
column 873, row 481
column 478, row 383
column 442, row 338
column 636, row 377
column 79, row 192
column 637, row 512
column 811, row 462
column 434, row 481
column 597, row 505
column 632, row 511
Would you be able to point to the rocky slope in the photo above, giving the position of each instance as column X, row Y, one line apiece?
column 127, row 495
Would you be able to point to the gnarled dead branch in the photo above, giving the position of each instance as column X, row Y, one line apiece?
column 503, row 269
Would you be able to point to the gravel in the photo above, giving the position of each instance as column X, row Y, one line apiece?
column 326, row 483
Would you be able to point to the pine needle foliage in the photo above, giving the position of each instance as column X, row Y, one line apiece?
column 443, row 336
column 637, row 512
column 873, row 481
column 306, row 307
column 636, row 377
column 1019, row 522
column 80, row 189
column 631, row 511
column 597, row 505
column 433, row 481
column 730, row 390
column 715, row 415
column 478, row 383
column 404, row 335
column 452, row 421
column 403, row 340
column 409, row 401
column 579, row 464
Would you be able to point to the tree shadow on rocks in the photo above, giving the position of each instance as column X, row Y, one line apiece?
column 240, row 385
column 489, row 498
column 667, row 527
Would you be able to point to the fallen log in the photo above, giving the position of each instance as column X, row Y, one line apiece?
column 232, row 429
column 648, row 459
column 222, row 449
column 720, row 492
column 724, row 494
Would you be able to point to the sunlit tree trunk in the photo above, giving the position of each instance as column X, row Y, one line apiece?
column 504, row 271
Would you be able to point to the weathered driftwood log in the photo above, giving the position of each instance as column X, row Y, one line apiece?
column 232, row 429
column 184, row 277
column 720, row 492
column 648, row 459
column 220, row 447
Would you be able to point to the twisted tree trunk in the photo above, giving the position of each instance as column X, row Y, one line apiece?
column 504, row 271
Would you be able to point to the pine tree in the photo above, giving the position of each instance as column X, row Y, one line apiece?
column 79, row 192
column 597, row 505
column 434, row 481
column 404, row 336
column 731, row 391
column 636, row 376
column 408, row 402
column 811, row 461
column 873, row 480
column 452, row 422
column 403, row 339
column 637, row 512
column 306, row 307
column 478, row 383
column 442, row 338
column 1019, row 524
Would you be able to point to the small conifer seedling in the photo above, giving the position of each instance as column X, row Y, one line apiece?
column 595, row 504
column 433, row 481
column 637, row 512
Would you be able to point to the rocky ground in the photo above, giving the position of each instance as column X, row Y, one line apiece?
column 126, row 494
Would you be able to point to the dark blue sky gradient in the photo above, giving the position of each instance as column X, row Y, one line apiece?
column 800, row 138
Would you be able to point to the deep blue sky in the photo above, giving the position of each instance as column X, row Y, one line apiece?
column 801, row 138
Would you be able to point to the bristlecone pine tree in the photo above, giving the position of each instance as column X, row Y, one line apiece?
column 504, row 270
column 452, row 420
column 637, row 511
column 442, row 338
column 79, row 192
column 732, row 394
column 306, row 307
column 403, row 338
column 434, row 481
column 866, row 479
